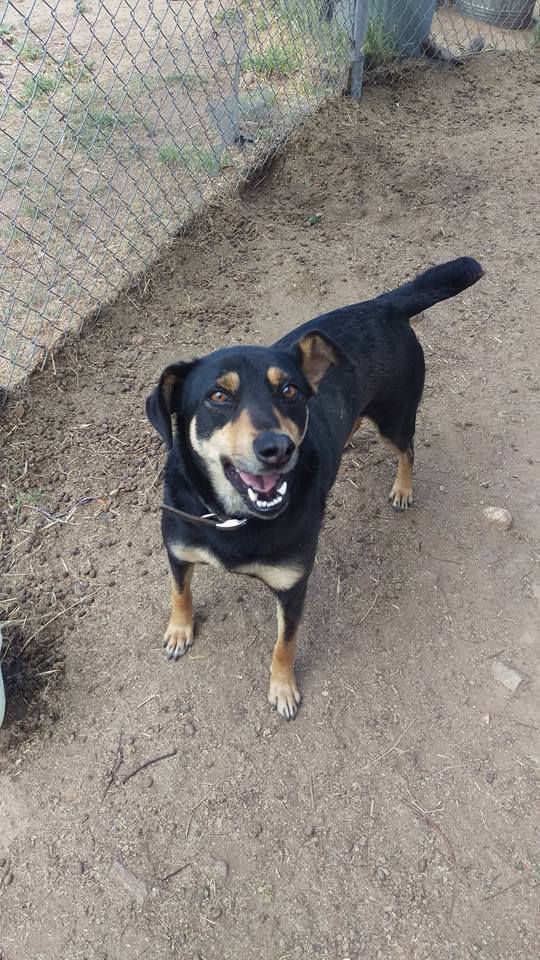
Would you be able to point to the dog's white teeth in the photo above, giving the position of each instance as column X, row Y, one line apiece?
column 264, row 504
column 282, row 490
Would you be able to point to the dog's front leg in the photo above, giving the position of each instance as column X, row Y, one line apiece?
column 283, row 694
column 179, row 634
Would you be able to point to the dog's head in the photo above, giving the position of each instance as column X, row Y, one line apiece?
column 243, row 413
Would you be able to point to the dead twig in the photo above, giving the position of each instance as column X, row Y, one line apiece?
column 67, row 515
column 393, row 747
column 192, row 814
column 530, row 726
column 117, row 763
column 174, row 873
column 148, row 763
column 148, row 699
column 444, row 559
column 425, row 818
column 491, row 896
column 368, row 611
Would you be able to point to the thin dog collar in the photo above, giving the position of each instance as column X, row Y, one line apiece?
column 208, row 520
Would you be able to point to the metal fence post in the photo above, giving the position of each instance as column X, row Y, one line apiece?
column 357, row 54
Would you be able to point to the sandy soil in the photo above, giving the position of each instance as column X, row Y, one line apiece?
column 398, row 816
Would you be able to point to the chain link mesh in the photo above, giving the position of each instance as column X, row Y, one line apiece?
column 121, row 118
column 398, row 31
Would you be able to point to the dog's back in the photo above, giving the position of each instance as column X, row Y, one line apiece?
column 359, row 323
column 388, row 378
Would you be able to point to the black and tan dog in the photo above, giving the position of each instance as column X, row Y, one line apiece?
column 258, row 441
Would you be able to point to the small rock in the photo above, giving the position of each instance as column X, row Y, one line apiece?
column 508, row 675
column 359, row 845
column 477, row 44
column 214, row 911
column 486, row 719
column 498, row 517
column 18, row 411
column 137, row 339
column 8, row 879
column 422, row 865
column 136, row 887
column 381, row 874
column 255, row 829
column 221, row 869
column 189, row 729
column 490, row 776
column 147, row 782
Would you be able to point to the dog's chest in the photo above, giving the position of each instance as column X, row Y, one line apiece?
column 281, row 576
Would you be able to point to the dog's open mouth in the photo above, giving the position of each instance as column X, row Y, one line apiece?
column 266, row 493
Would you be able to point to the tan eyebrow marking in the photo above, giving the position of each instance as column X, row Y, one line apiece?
column 276, row 376
column 229, row 381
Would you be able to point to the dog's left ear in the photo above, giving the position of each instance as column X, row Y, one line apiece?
column 164, row 400
column 315, row 353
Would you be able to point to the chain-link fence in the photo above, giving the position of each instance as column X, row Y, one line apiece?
column 120, row 118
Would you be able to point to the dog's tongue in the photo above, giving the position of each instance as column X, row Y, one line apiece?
column 263, row 482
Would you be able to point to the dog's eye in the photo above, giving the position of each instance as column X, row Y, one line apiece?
column 289, row 391
column 219, row 397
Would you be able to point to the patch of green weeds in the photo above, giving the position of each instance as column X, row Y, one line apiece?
column 229, row 16
column 379, row 44
column 39, row 86
column 28, row 51
column 99, row 126
column 180, row 79
column 170, row 155
column 275, row 61
column 193, row 158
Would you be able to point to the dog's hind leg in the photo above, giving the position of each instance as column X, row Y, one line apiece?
column 179, row 633
column 283, row 694
column 397, row 432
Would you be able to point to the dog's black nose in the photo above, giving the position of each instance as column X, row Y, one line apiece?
column 273, row 448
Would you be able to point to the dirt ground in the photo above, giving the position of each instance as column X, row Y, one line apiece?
column 398, row 817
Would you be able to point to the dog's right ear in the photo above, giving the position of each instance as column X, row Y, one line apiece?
column 164, row 400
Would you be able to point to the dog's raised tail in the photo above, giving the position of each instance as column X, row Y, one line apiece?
column 436, row 284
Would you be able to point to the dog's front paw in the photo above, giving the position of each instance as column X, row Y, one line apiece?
column 284, row 696
column 401, row 497
column 177, row 640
